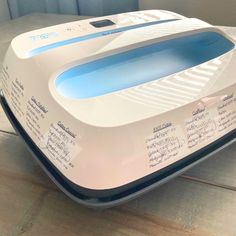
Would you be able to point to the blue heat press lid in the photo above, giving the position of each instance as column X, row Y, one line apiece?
column 141, row 65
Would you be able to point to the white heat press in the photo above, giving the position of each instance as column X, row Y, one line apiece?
column 114, row 106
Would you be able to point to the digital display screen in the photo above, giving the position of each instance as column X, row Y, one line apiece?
column 102, row 23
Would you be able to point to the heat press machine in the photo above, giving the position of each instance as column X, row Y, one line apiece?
column 114, row 106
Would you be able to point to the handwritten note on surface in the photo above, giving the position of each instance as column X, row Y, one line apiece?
column 203, row 126
column 165, row 143
column 200, row 128
column 61, row 145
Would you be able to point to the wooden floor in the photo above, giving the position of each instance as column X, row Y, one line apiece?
column 202, row 202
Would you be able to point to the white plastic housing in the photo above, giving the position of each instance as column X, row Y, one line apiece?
column 107, row 141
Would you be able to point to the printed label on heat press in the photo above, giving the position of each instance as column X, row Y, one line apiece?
column 60, row 144
column 164, row 144
column 200, row 127
column 209, row 121
column 207, row 124
column 5, row 78
column 35, row 114
column 15, row 93
column 226, row 113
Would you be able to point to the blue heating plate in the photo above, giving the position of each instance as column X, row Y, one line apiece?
column 141, row 65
